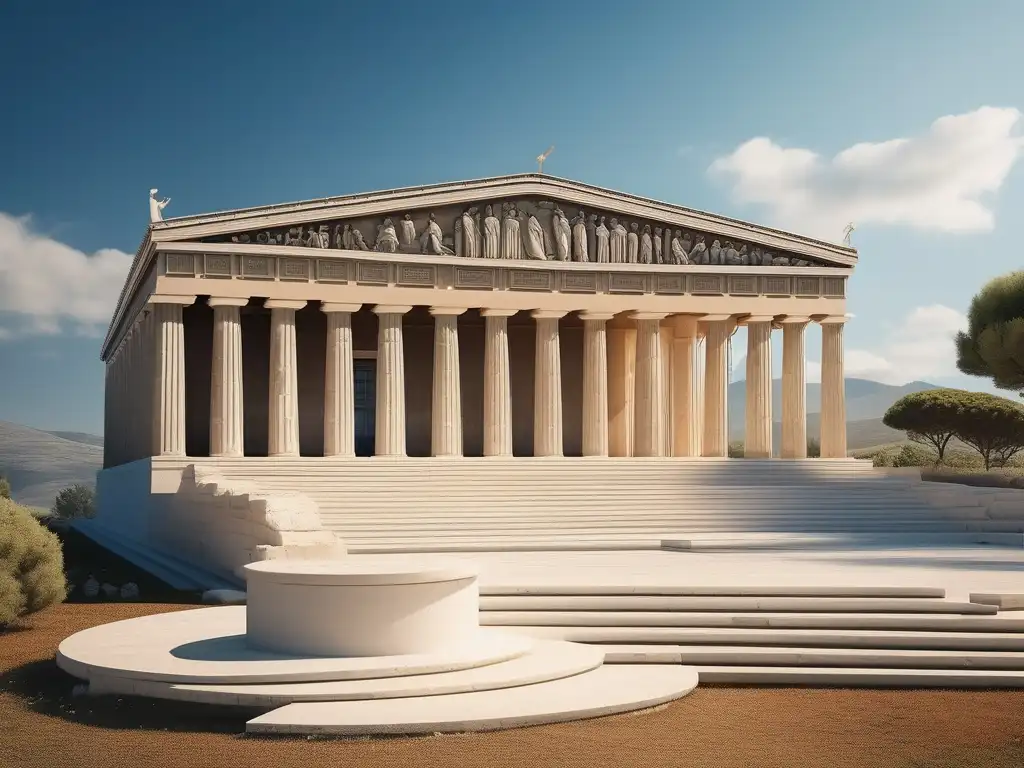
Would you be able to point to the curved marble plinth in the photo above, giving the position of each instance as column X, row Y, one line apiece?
column 208, row 646
column 548, row 660
column 607, row 690
column 372, row 605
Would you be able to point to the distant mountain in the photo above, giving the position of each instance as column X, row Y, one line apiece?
column 79, row 437
column 866, row 401
column 38, row 464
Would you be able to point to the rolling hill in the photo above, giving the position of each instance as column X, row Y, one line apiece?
column 38, row 464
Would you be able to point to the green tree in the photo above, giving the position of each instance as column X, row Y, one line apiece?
column 5, row 488
column 993, row 426
column 993, row 344
column 73, row 502
column 931, row 417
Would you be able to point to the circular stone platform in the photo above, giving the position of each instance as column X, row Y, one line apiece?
column 383, row 605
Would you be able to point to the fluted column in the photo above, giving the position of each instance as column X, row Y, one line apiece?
column 621, row 371
column 145, row 379
column 794, row 389
column 284, row 378
column 339, row 381
column 547, row 389
column 685, row 406
column 700, row 359
column 130, row 359
column 833, row 389
column 497, row 385
column 595, row 383
column 169, row 375
column 226, row 413
column 650, row 386
column 758, row 432
column 716, row 383
column 389, row 439
column 446, row 410
column 667, row 344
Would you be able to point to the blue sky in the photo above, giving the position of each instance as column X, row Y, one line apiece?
column 223, row 104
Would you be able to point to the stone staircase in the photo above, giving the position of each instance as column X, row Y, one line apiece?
column 896, row 636
column 477, row 504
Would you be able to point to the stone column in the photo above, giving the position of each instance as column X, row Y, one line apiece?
column 497, row 386
column 716, row 383
column 685, row 406
column 226, row 413
column 131, row 347
column 833, row 389
column 700, row 360
column 758, row 441
column 650, row 386
column 284, row 378
column 621, row 370
column 339, row 381
column 547, row 388
column 389, row 439
column 145, row 380
column 446, row 411
column 667, row 342
column 169, row 375
column 595, row 383
column 794, row 389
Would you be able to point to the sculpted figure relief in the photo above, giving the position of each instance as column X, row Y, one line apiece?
column 408, row 236
column 679, row 255
column 592, row 236
column 432, row 241
column 563, row 235
column 603, row 238
column 730, row 255
column 534, row 239
column 633, row 244
column 617, row 241
column 579, row 238
column 658, row 246
column 646, row 246
column 312, row 239
column 387, row 237
column 511, row 241
column 715, row 253
column 699, row 254
column 294, row 236
column 470, row 244
column 491, row 234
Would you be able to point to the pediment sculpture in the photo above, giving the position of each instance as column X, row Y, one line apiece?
column 524, row 228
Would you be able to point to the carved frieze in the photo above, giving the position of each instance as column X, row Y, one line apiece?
column 180, row 264
column 372, row 274
column 409, row 274
column 530, row 280
column 670, row 284
column 474, row 278
column 742, row 285
column 523, row 228
column 835, row 287
column 293, row 269
column 808, row 286
column 332, row 270
column 257, row 266
column 627, row 283
column 775, row 285
column 216, row 265
column 707, row 284
column 585, row 282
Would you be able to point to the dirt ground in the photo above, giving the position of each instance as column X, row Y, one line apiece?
column 43, row 724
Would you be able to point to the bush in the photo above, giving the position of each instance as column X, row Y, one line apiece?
column 31, row 564
column 5, row 488
column 73, row 502
column 813, row 448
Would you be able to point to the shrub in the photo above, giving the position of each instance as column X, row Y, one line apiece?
column 31, row 564
column 736, row 450
column 813, row 448
column 73, row 502
column 5, row 488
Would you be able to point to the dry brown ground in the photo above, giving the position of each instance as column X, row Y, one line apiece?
column 42, row 724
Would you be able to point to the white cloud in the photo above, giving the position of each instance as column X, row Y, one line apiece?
column 921, row 348
column 46, row 285
column 939, row 181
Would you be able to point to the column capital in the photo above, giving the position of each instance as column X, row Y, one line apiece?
column 685, row 325
column 832, row 319
column 167, row 298
column 498, row 312
column 391, row 309
column 750, row 319
column 447, row 311
column 587, row 315
column 548, row 314
column 794, row 320
column 284, row 303
column 327, row 307
column 716, row 318
column 226, row 301
column 648, row 315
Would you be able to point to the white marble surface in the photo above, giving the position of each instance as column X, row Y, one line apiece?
column 364, row 570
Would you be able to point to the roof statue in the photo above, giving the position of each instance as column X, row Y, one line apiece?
column 156, row 207
column 543, row 157
column 848, row 233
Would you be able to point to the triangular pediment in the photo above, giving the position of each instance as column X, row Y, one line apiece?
column 467, row 215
